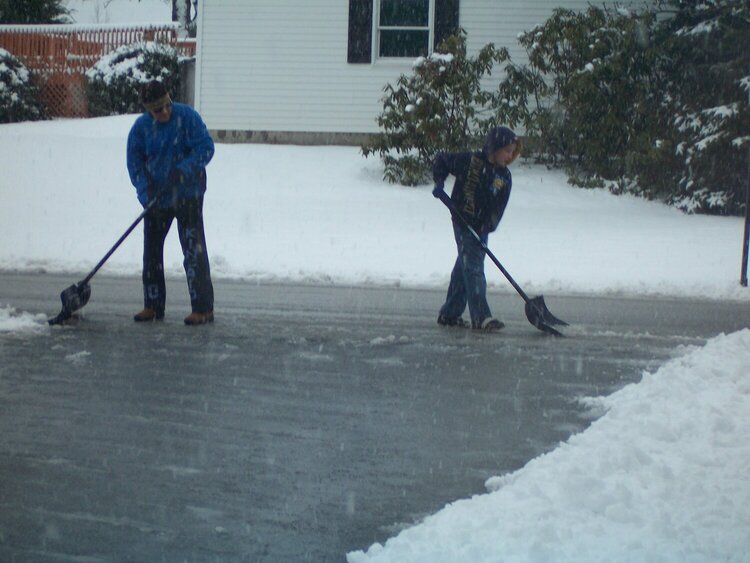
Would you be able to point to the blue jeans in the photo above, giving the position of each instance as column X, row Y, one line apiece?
column 468, row 284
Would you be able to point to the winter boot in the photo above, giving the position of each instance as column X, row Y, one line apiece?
column 490, row 324
column 458, row 322
column 147, row 315
column 199, row 318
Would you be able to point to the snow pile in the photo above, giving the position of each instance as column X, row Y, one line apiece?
column 19, row 322
column 662, row 476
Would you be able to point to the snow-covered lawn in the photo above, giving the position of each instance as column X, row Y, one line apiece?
column 324, row 214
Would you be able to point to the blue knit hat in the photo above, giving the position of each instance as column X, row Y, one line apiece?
column 497, row 138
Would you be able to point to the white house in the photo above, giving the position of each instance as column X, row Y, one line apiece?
column 313, row 71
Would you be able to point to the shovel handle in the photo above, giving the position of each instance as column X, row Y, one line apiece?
column 442, row 196
column 86, row 280
column 129, row 230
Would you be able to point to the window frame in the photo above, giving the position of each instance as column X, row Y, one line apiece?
column 362, row 43
column 377, row 28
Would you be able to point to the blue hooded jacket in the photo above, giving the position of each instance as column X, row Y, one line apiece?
column 156, row 151
column 481, row 192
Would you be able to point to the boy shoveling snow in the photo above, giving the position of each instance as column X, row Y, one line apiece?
column 480, row 194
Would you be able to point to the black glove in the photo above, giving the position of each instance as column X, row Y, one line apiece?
column 147, row 195
column 442, row 196
column 176, row 177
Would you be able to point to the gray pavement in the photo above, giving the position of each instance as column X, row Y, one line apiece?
column 306, row 422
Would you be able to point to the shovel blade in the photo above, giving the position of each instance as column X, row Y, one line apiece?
column 73, row 298
column 540, row 316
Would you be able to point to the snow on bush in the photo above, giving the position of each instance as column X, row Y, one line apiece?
column 113, row 83
column 18, row 97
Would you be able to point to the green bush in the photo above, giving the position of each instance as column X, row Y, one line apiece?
column 19, row 99
column 583, row 89
column 705, row 50
column 650, row 105
column 440, row 107
column 113, row 84
column 33, row 11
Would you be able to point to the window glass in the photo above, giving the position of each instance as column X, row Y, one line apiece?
column 403, row 43
column 403, row 29
column 402, row 13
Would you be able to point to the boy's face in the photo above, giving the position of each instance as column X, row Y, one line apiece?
column 502, row 157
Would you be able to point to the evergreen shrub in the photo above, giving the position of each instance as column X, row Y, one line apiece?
column 113, row 83
column 653, row 103
column 33, row 11
column 19, row 98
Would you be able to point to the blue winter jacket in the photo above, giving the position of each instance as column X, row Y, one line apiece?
column 481, row 191
column 156, row 151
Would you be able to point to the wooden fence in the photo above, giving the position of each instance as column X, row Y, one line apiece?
column 58, row 56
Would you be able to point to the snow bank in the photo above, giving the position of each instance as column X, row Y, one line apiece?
column 662, row 476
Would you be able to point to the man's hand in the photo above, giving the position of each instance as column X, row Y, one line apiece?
column 145, row 197
column 176, row 177
column 438, row 189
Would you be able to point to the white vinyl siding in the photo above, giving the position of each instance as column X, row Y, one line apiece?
column 281, row 65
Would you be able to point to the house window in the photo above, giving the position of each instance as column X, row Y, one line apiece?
column 403, row 28
column 398, row 28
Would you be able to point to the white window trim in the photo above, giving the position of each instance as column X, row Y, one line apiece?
column 376, row 33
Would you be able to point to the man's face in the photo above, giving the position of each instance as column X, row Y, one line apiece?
column 162, row 113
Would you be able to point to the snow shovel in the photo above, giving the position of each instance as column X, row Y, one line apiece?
column 536, row 309
column 77, row 295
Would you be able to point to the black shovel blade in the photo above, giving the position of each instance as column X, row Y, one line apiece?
column 73, row 298
column 540, row 316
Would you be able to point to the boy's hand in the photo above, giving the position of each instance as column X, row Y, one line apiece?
column 438, row 189
column 442, row 196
